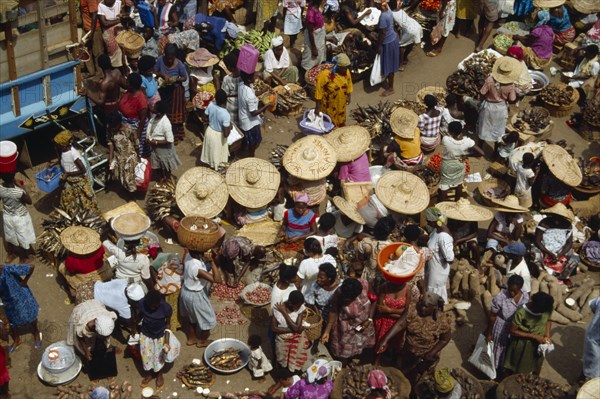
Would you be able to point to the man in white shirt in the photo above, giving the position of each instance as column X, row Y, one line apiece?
column 277, row 64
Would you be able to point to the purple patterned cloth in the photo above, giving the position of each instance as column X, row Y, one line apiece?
column 592, row 251
column 303, row 390
column 504, row 307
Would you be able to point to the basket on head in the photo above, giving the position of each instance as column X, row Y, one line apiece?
column 198, row 233
column 315, row 320
column 132, row 43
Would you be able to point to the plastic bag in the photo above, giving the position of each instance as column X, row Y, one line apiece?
column 483, row 357
column 436, row 33
column 376, row 77
column 315, row 121
column 174, row 348
column 506, row 6
column 143, row 172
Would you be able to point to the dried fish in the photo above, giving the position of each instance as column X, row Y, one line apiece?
column 160, row 201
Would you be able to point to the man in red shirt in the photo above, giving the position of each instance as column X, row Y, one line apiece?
column 95, row 43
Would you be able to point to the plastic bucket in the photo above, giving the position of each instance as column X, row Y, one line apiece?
column 8, row 157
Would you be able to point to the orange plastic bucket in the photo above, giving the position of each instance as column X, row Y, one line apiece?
column 384, row 256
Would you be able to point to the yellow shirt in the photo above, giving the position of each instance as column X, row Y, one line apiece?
column 409, row 148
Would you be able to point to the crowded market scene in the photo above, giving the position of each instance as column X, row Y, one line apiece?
column 300, row 199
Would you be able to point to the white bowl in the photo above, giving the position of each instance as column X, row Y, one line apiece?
column 147, row 392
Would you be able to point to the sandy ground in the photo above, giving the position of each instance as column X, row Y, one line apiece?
column 563, row 365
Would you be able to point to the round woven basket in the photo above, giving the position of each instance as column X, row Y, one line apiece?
column 559, row 111
column 293, row 89
column 437, row 91
column 315, row 320
column 310, row 82
column 132, row 43
column 198, row 233
column 528, row 131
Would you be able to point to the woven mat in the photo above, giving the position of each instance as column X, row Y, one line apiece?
column 261, row 233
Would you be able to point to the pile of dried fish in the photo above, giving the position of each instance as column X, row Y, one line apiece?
column 360, row 52
column 430, row 176
column 415, row 106
column 468, row 82
column 196, row 375
column 356, row 382
column 260, row 87
column 49, row 240
column 533, row 387
column 160, row 201
column 376, row 118
column 290, row 101
column 554, row 94
column 469, row 385
column 591, row 112
column 277, row 154
column 590, row 170
column 229, row 359
column 533, row 119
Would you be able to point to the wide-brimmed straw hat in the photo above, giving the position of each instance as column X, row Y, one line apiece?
column 464, row 211
column 252, row 182
column 350, row 142
column 80, row 240
column 132, row 43
column 402, row 192
column 586, row 6
column 202, row 192
column 348, row 209
column 548, row 3
column 562, row 165
column 561, row 210
column 510, row 203
column 403, row 122
column 202, row 58
column 507, row 70
column 493, row 189
column 310, row 158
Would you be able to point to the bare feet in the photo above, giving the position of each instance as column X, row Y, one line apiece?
column 9, row 258
column 204, row 344
column 432, row 54
column 126, row 390
column 477, row 49
column 192, row 342
column 387, row 93
column 160, row 382
column 146, row 381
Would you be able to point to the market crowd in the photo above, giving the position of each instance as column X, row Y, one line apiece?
column 376, row 234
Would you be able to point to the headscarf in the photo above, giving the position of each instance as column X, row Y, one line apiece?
column 276, row 41
column 378, row 380
column 63, row 138
column 342, row 60
column 543, row 17
column 516, row 52
column 100, row 393
column 435, row 215
column 231, row 249
column 135, row 292
column 432, row 299
column 105, row 324
column 444, row 382
column 319, row 370
column 302, row 197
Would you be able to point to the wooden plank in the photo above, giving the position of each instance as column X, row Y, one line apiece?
column 12, row 68
column 50, row 12
column 42, row 35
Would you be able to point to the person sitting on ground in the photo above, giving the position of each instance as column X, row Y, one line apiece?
column 344, row 226
column 452, row 112
column 89, row 323
column 284, row 379
column 19, row 234
column 299, row 222
column 588, row 66
column 506, row 145
column 557, row 17
column 316, row 385
column 429, row 124
column 537, row 46
column 326, row 232
column 237, row 254
column 277, row 66
column 465, row 238
column 505, row 227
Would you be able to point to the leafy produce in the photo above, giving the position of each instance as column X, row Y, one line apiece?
column 512, row 26
column 229, row 359
column 554, row 94
column 196, row 375
column 503, row 42
column 261, row 41
column 533, row 119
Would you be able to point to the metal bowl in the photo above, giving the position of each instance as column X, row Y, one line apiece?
column 223, row 344
column 539, row 77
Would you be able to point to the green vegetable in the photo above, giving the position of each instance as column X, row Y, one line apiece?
column 503, row 42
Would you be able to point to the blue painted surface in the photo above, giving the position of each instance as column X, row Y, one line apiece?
column 31, row 95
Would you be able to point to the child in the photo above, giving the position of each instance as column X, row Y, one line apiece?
column 505, row 146
column 285, row 379
column 258, row 364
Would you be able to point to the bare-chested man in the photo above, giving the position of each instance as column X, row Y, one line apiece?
column 108, row 92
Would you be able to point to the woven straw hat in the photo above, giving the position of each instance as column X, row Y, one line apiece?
column 562, row 165
column 561, row 210
column 510, row 203
column 132, row 43
column 548, row 3
column 80, row 240
column 350, row 142
column 586, row 6
column 493, row 189
column 402, row 192
column 315, row 189
column 403, row 122
column 201, row 192
column 348, row 209
column 252, row 182
column 464, row 211
column 507, row 70
column 310, row 158
column 201, row 58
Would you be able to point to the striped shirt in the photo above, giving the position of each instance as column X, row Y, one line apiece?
column 11, row 201
column 297, row 226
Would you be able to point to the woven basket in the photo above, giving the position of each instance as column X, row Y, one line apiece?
column 315, row 320
column 294, row 88
column 437, row 91
column 559, row 111
column 201, row 238
column 593, row 266
column 132, row 43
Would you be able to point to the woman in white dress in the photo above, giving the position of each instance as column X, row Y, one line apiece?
column 215, row 151
column 19, row 234
column 441, row 245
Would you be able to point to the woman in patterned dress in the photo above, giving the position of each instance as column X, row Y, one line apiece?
column 333, row 91
column 392, row 305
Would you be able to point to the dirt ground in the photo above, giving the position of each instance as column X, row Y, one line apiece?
column 563, row 365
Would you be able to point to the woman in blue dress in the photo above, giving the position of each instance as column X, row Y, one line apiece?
column 20, row 306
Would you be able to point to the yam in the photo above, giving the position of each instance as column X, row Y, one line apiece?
column 558, row 318
column 586, row 285
column 550, row 279
column 544, row 287
column 586, row 310
column 583, row 268
column 455, row 284
column 535, row 286
column 585, row 298
column 495, row 282
column 554, row 293
column 486, row 299
column 461, row 316
column 499, row 261
column 464, row 286
column 568, row 313
column 474, row 284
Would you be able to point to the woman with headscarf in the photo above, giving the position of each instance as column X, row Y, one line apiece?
column 441, row 245
column 77, row 193
column 388, row 46
column 333, row 90
column 90, row 327
column 557, row 17
column 523, row 83
column 350, row 328
column 133, row 107
column 314, row 36
column 20, row 306
column 316, row 385
column 236, row 255
column 537, row 46
column 378, row 385
column 173, row 71
column 160, row 137
column 277, row 65
column 291, row 343
column 123, row 150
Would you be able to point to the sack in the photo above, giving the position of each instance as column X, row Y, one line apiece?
column 436, row 33
column 506, row 7
column 143, row 172
column 483, row 357
column 376, row 77
column 146, row 15
column 174, row 348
